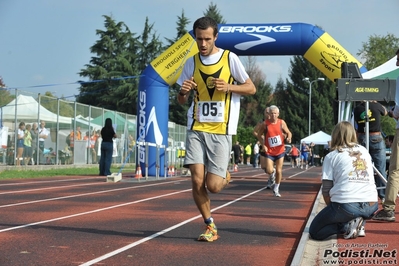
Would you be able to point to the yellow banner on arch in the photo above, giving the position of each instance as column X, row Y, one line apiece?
column 327, row 55
column 170, row 63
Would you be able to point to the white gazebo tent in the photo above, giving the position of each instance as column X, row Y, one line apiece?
column 319, row 138
column 27, row 109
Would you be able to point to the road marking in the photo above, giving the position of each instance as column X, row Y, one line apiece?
column 143, row 240
column 46, row 188
column 84, row 194
column 49, row 181
column 93, row 211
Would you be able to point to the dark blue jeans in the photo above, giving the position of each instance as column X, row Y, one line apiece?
column 256, row 160
column 106, row 158
column 378, row 154
column 334, row 218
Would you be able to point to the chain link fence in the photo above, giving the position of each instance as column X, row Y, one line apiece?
column 68, row 132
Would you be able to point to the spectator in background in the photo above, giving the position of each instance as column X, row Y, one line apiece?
column 304, row 155
column 326, row 150
column 93, row 140
column 107, row 146
column 376, row 141
column 237, row 152
column 248, row 152
column 387, row 214
column 242, row 154
column 388, row 144
column 132, row 143
column 311, row 154
column 132, row 148
column 42, row 135
column 34, row 132
column 256, row 155
column 97, row 146
column 73, row 136
column 87, row 139
column 78, row 134
column 388, row 150
column 27, row 145
column 20, row 143
column 294, row 153
column 348, row 187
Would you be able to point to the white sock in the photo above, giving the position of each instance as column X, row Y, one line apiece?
column 276, row 186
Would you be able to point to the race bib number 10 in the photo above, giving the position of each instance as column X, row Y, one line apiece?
column 274, row 141
column 210, row 111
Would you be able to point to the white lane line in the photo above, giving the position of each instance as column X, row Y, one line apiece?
column 263, row 173
column 46, row 188
column 286, row 169
column 131, row 245
column 296, row 174
column 85, row 194
column 49, row 181
column 93, row 211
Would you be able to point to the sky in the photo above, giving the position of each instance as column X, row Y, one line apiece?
column 45, row 43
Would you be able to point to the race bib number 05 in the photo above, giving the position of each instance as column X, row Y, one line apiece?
column 274, row 141
column 210, row 111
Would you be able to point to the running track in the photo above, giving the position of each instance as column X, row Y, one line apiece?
column 83, row 220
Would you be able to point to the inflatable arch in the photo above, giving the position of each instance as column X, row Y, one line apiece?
column 316, row 45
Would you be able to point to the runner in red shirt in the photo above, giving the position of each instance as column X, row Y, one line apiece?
column 272, row 134
column 294, row 152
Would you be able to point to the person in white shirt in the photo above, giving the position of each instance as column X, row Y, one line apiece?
column 348, row 187
column 387, row 214
column 20, row 143
column 42, row 135
column 256, row 154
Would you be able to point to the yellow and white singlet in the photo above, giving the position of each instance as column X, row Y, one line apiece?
column 214, row 111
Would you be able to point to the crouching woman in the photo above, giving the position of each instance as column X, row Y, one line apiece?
column 348, row 187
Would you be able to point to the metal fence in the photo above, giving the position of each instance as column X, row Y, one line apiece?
column 60, row 118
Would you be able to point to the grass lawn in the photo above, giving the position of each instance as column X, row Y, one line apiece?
column 29, row 173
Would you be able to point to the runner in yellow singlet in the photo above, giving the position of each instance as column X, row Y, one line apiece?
column 212, row 75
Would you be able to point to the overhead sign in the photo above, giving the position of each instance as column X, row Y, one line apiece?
column 366, row 89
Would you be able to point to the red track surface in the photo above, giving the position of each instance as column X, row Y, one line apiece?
column 78, row 220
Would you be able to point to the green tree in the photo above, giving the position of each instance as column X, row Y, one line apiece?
column 181, row 25
column 253, row 106
column 293, row 100
column 213, row 12
column 388, row 125
column 5, row 96
column 378, row 49
column 49, row 101
column 150, row 46
column 119, row 59
column 114, row 57
column 279, row 97
column 245, row 136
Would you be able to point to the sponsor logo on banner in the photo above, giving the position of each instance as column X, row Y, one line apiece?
column 247, row 45
column 169, row 64
column 255, row 31
column 152, row 119
column 327, row 55
column 144, row 125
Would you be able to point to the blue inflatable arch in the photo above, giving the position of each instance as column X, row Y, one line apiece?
column 317, row 46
